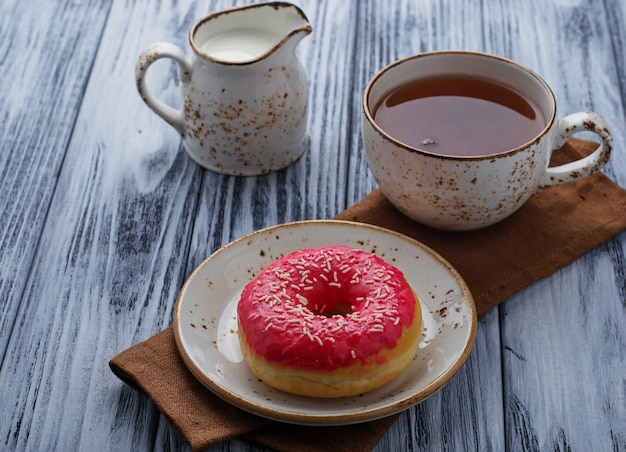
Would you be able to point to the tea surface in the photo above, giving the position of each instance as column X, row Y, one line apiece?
column 459, row 114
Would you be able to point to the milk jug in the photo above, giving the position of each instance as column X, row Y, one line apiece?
column 244, row 91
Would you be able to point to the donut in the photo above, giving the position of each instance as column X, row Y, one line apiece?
column 328, row 322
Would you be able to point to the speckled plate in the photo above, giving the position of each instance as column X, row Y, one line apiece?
column 205, row 322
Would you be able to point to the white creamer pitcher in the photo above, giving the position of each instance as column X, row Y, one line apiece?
column 244, row 91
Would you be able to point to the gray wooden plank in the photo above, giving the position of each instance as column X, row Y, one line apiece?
column 41, row 87
column 563, row 338
column 564, row 374
column 111, row 258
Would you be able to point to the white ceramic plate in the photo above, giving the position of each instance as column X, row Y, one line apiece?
column 205, row 322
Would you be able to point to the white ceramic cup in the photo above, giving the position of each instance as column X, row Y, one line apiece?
column 244, row 92
column 469, row 192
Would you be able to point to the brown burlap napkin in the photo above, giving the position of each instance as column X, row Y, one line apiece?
column 553, row 229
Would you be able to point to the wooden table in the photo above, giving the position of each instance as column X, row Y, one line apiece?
column 104, row 216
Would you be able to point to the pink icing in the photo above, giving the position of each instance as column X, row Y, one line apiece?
column 326, row 308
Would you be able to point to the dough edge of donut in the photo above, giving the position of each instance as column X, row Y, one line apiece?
column 344, row 382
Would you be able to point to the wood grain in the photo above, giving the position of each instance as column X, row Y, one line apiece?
column 104, row 276
column 563, row 356
column 104, row 216
column 41, row 88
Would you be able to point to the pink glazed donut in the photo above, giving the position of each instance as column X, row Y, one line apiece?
column 329, row 322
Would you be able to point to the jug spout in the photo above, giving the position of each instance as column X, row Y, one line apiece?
column 293, row 23
column 246, row 34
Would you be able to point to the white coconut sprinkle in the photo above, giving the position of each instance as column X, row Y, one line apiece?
column 295, row 310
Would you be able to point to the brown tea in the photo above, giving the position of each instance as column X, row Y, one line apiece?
column 459, row 114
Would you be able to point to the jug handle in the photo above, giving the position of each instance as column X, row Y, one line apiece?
column 153, row 53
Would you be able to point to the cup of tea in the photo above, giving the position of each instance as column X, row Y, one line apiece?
column 460, row 140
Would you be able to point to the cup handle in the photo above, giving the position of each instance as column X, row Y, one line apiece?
column 153, row 53
column 586, row 166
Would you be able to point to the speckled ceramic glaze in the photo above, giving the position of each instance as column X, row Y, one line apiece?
column 463, row 193
column 239, row 116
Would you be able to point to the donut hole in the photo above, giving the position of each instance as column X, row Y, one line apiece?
column 341, row 308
